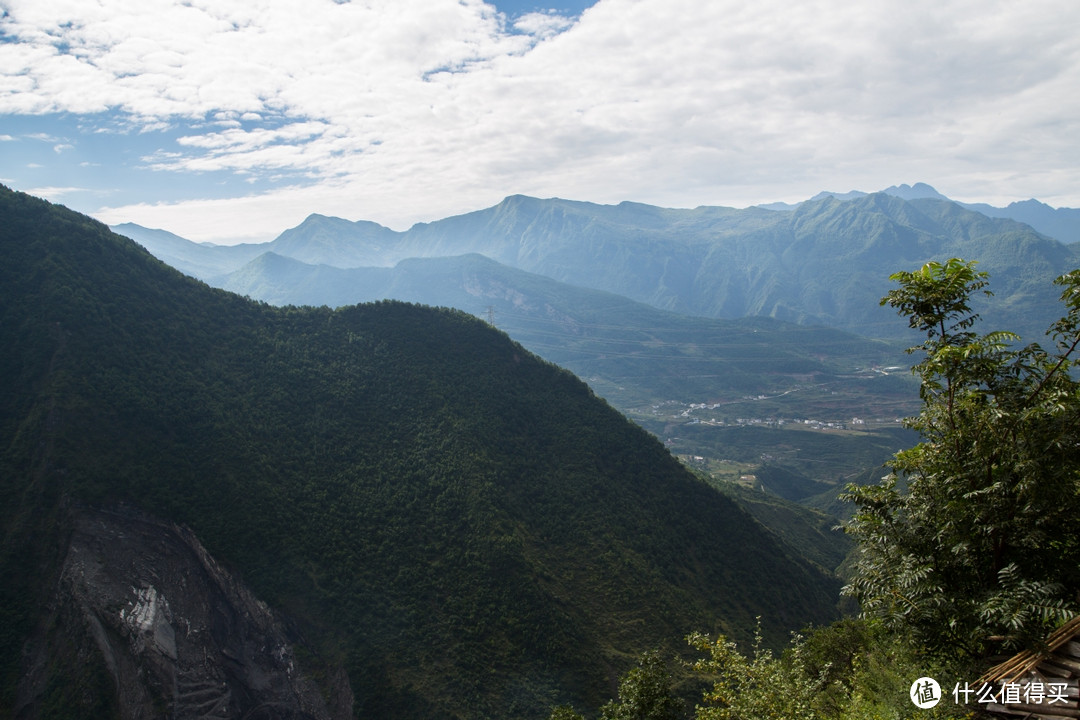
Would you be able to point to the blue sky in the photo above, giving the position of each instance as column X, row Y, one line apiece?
column 517, row 9
column 228, row 120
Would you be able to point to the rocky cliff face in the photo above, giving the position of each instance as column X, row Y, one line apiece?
column 177, row 635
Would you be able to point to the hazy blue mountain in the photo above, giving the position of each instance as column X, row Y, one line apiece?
column 319, row 239
column 778, row 206
column 1059, row 223
column 838, row 255
column 281, row 280
column 918, row 191
column 904, row 191
column 825, row 263
column 201, row 260
column 333, row 241
column 850, row 195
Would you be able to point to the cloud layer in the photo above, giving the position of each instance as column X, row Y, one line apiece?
column 412, row 109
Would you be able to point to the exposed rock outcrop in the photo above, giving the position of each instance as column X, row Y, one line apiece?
column 179, row 636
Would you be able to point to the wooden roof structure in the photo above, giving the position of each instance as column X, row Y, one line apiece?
column 1039, row 685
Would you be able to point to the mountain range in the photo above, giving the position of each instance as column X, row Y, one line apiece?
column 1059, row 223
column 750, row 314
column 383, row 510
column 824, row 263
column 614, row 342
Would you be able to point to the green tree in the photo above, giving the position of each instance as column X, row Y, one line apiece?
column 757, row 687
column 850, row 670
column 971, row 543
column 565, row 712
column 645, row 693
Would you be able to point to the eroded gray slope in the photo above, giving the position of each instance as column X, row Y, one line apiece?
column 176, row 633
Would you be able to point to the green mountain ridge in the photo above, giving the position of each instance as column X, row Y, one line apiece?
column 613, row 342
column 662, row 369
column 465, row 529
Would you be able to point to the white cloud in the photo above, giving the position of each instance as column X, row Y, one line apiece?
column 56, row 193
column 203, row 219
column 410, row 109
column 542, row 24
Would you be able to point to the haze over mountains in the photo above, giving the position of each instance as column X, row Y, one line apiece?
column 1059, row 223
column 825, row 262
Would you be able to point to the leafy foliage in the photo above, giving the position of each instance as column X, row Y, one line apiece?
column 645, row 693
column 756, row 687
column 849, row 670
column 565, row 712
column 972, row 541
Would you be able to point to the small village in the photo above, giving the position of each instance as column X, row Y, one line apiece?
column 705, row 414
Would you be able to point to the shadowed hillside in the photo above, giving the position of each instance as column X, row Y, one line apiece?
column 465, row 529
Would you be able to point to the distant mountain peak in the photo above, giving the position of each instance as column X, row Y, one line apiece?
column 918, row 191
column 1031, row 204
column 850, row 195
column 517, row 200
column 318, row 219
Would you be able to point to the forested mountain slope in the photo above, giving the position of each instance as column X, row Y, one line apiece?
column 629, row 351
column 465, row 529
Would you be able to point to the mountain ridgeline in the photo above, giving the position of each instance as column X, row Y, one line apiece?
column 824, row 263
column 632, row 353
column 446, row 525
column 1059, row 223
